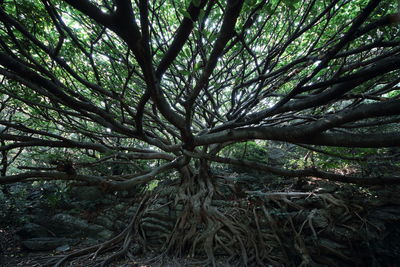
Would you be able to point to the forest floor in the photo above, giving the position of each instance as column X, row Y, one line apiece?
column 13, row 255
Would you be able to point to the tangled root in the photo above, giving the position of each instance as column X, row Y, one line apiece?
column 92, row 253
column 278, row 228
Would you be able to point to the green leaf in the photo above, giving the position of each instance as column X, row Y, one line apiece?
column 185, row 14
column 202, row 14
column 186, row 52
column 212, row 38
column 196, row 3
column 251, row 2
column 198, row 66
column 290, row 3
column 185, row 72
column 269, row 10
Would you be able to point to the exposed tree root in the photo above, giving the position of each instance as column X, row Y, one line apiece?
column 277, row 228
column 92, row 252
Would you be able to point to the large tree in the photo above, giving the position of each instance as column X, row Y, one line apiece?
column 176, row 82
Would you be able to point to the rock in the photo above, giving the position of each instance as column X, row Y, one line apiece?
column 276, row 156
column 38, row 215
column 33, row 230
column 132, row 209
column 106, row 201
column 104, row 235
column 63, row 248
column 87, row 193
column 123, row 193
column 47, row 243
column 247, row 178
column 34, row 195
column 70, row 226
column 120, row 207
column 112, row 214
column 104, row 221
column 120, row 225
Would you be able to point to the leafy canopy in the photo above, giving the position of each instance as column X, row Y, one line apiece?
column 172, row 81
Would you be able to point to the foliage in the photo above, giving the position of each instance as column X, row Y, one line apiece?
column 190, row 78
column 247, row 150
column 116, row 93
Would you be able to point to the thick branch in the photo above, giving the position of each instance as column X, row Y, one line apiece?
column 91, row 10
column 288, row 135
column 181, row 36
column 381, row 180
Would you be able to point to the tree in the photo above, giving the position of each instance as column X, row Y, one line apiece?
column 175, row 82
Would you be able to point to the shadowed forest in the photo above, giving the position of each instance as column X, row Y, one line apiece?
column 199, row 133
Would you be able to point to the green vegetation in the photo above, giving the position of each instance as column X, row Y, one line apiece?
column 131, row 95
